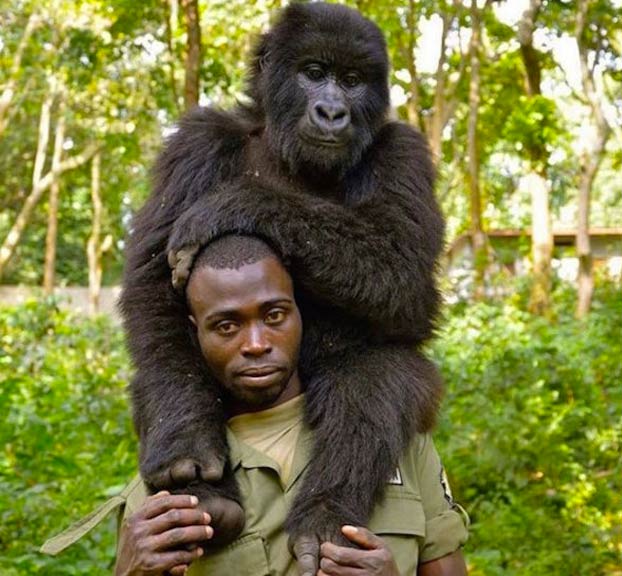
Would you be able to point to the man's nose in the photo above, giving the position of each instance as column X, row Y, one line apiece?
column 256, row 342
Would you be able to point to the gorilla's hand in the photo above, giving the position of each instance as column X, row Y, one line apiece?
column 185, row 470
column 309, row 528
column 227, row 515
column 166, row 464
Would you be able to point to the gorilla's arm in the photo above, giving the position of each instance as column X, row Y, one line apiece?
column 375, row 258
column 174, row 403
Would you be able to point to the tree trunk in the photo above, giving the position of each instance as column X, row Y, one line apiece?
column 12, row 239
column 14, row 235
column 590, row 161
column 584, row 251
column 193, row 52
column 93, row 249
column 171, row 27
column 541, row 243
column 49, row 266
column 9, row 88
column 413, row 103
column 438, row 120
column 536, row 180
column 478, row 238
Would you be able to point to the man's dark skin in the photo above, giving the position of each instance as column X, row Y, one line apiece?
column 249, row 330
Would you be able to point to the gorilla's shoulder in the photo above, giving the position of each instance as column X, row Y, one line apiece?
column 209, row 131
column 395, row 136
column 402, row 149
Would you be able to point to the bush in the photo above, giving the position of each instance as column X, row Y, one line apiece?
column 66, row 432
column 531, row 436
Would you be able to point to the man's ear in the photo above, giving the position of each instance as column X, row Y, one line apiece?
column 191, row 318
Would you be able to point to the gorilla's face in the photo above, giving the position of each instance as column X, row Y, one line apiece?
column 323, row 81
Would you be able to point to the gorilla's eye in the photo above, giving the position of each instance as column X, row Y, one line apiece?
column 351, row 79
column 314, row 72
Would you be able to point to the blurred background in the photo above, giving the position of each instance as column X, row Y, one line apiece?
column 521, row 101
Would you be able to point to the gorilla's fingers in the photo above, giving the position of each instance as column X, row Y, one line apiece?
column 307, row 552
column 227, row 519
column 213, row 470
column 184, row 471
column 161, row 479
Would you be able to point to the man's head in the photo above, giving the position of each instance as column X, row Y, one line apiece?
column 241, row 301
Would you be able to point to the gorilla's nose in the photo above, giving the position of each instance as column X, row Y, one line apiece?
column 330, row 117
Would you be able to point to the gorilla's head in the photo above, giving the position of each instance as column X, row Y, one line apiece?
column 320, row 79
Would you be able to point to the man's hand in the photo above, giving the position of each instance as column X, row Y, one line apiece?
column 375, row 558
column 162, row 537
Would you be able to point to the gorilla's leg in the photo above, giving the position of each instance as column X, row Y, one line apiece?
column 364, row 404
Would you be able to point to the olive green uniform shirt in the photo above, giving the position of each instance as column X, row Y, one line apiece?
column 416, row 518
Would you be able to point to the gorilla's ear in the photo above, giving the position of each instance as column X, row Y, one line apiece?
column 261, row 54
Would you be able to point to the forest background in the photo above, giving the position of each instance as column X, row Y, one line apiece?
column 521, row 101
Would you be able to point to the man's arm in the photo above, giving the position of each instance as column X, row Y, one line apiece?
column 375, row 558
column 450, row 565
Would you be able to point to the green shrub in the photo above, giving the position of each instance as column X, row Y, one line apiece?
column 66, row 435
column 531, row 435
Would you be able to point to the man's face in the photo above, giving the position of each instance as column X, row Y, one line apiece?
column 248, row 327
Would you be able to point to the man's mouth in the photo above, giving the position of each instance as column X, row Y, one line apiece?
column 259, row 371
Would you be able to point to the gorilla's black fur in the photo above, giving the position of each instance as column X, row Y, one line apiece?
column 314, row 167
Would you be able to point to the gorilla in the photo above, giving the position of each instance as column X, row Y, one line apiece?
column 313, row 165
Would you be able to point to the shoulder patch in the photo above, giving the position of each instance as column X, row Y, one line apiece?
column 445, row 485
column 396, row 478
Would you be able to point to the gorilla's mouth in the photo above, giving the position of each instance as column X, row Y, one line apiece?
column 323, row 141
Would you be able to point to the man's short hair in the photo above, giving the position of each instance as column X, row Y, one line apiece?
column 233, row 251
column 230, row 251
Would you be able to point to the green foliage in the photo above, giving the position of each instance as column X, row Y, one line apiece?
column 66, row 435
column 534, row 128
column 532, row 435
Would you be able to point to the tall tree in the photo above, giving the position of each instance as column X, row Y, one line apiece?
column 536, row 181
column 49, row 266
column 9, row 88
column 193, row 52
column 592, row 152
column 478, row 237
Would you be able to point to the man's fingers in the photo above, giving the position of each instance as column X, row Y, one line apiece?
column 329, row 568
column 178, row 570
column 307, row 551
column 160, row 503
column 168, row 561
column 342, row 555
column 178, row 517
column 363, row 537
column 178, row 537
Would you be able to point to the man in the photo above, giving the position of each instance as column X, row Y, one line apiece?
column 248, row 328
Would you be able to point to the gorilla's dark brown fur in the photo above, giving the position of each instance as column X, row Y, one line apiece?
column 313, row 166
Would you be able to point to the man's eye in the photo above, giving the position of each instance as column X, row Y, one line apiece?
column 314, row 72
column 226, row 327
column 352, row 79
column 275, row 316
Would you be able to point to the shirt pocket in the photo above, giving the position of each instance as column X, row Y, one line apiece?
column 244, row 557
column 399, row 520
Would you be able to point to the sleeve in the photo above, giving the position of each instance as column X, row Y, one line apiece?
column 446, row 527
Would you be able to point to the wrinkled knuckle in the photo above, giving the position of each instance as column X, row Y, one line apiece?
column 174, row 536
column 174, row 516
